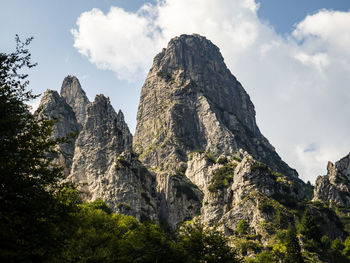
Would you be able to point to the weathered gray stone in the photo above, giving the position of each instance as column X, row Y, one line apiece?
column 53, row 107
column 75, row 96
column 190, row 101
column 251, row 182
column 103, row 165
column 334, row 188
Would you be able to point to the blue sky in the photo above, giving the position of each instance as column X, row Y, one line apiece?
column 303, row 134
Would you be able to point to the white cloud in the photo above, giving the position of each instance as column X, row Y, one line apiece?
column 319, row 60
column 299, row 83
column 119, row 41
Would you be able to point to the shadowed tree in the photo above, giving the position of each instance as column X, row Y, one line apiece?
column 29, row 183
column 293, row 253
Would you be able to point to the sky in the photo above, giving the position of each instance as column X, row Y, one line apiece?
column 291, row 56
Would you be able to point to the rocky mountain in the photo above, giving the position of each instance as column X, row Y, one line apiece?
column 75, row 96
column 99, row 160
column 190, row 102
column 197, row 152
column 334, row 188
column 56, row 108
column 103, row 165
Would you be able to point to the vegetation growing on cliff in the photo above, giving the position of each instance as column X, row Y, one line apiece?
column 222, row 177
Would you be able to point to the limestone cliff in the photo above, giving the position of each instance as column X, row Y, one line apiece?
column 197, row 152
column 103, row 165
column 191, row 102
column 75, row 96
column 99, row 159
column 53, row 107
column 334, row 188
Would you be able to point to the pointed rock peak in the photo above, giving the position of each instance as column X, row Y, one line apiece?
column 102, row 99
column 102, row 105
column 120, row 115
column 191, row 90
column 102, row 109
column 334, row 187
column 71, row 87
column 189, row 52
column 75, row 96
column 54, row 107
column 49, row 100
column 49, row 93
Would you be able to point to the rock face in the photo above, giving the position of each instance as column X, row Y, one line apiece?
column 99, row 144
column 334, row 188
column 197, row 152
column 190, row 102
column 75, row 96
column 104, row 166
column 99, row 159
column 53, row 107
column 236, row 187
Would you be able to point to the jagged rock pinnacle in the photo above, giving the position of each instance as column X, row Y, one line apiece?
column 191, row 101
column 103, row 137
column 53, row 107
column 75, row 96
column 334, row 188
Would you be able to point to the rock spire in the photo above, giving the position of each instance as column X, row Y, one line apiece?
column 75, row 96
column 54, row 107
column 334, row 188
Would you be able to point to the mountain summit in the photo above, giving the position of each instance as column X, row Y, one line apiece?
column 192, row 113
column 75, row 96
column 191, row 101
column 334, row 188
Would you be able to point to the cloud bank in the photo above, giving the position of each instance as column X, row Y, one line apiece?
column 299, row 82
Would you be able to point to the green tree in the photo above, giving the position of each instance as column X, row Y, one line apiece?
column 326, row 242
column 205, row 245
column 346, row 250
column 293, row 254
column 29, row 183
column 98, row 235
column 149, row 243
column 264, row 257
column 336, row 254
column 308, row 227
column 279, row 250
column 242, row 227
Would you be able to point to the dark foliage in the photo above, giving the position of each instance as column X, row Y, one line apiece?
column 29, row 182
column 293, row 254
